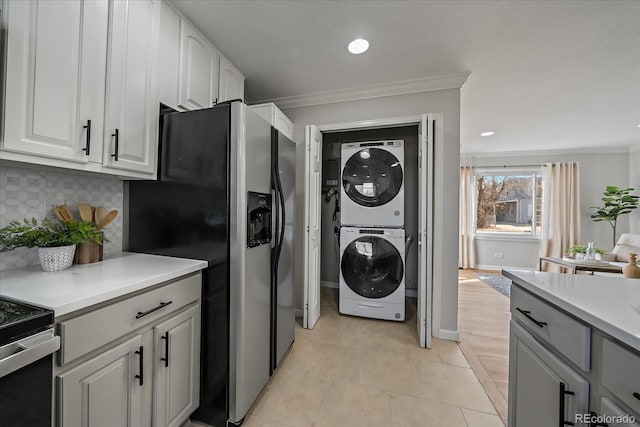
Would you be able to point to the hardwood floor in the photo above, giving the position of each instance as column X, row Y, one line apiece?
column 483, row 323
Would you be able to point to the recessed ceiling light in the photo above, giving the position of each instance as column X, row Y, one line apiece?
column 487, row 133
column 358, row 46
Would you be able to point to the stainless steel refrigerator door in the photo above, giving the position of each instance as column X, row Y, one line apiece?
column 286, row 267
column 250, row 268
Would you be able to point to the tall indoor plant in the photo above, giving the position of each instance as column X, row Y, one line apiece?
column 617, row 202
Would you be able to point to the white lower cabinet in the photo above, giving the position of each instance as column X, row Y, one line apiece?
column 543, row 390
column 148, row 375
column 106, row 390
column 177, row 344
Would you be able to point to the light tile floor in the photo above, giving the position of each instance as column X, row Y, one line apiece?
column 350, row 371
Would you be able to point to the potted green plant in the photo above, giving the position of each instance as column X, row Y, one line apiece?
column 56, row 242
column 617, row 202
column 90, row 247
column 582, row 249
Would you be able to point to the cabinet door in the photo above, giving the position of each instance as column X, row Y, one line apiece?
column 198, row 70
column 177, row 358
column 106, row 390
column 169, row 56
column 132, row 107
column 283, row 124
column 55, row 63
column 543, row 390
column 231, row 82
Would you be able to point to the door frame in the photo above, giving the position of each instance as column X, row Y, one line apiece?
column 432, row 287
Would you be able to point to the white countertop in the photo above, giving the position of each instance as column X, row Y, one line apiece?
column 611, row 304
column 84, row 285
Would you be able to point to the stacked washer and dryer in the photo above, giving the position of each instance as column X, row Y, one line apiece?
column 372, row 237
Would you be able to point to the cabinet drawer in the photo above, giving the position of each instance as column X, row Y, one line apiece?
column 570, row 337
column 89, row 331
column 620, row 417
column 621, row 373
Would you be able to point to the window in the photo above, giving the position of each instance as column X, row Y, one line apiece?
column 508, row 202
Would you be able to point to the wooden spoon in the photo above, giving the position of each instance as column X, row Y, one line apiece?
column 67, row 212
column 62, row 210
column 85, row 212
column 101, row 212
column 58, row 213
column 107, row 219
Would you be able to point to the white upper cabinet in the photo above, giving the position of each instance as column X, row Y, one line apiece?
column 276, row 117
column 169, row 55
column 131, row 120
column 199, row 62
column 55, row 78
column 77, row 74
column 231, row 81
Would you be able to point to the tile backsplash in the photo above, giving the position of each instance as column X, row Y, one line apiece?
column 26, row 193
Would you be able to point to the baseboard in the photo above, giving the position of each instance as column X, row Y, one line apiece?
column 446, row 334
column 501, row 267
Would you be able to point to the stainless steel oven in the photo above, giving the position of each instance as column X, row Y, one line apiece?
column 27, row 345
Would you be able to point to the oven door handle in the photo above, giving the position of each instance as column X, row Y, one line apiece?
column 27, row 350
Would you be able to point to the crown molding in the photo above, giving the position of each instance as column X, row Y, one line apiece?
column 634, row 148
column 586, row 150
column 451, row 81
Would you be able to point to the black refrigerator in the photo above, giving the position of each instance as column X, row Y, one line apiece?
column 225, row 194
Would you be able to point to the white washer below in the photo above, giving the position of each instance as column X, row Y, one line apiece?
column 372, row 272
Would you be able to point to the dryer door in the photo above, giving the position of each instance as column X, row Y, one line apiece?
column 372, row 177
column 372, row 267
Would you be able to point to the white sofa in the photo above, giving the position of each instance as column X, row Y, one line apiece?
column 627, row 244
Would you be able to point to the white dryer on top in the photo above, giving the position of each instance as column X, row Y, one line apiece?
column 372, row 192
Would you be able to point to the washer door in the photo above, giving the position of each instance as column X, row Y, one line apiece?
column 372, row 177
column 372, row 267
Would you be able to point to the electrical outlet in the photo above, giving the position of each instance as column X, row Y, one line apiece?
column 498, row 255
column 46, row 208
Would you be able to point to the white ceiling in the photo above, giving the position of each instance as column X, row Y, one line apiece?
column 545, row 75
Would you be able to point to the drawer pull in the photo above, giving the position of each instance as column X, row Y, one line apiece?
column 636, row 395
column 144, row 313
column 141, row 354
column 562, row 394
column 528, row 315
column 165, row 359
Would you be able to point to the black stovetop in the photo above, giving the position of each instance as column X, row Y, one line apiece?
column 18, row 319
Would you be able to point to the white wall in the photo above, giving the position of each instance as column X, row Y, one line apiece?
column 597, row 170
column 447, row 171
column 634, row 181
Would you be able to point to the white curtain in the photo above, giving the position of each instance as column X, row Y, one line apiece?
column 561, row 210
column 466, row 251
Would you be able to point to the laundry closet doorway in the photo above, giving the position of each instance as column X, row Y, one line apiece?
column 322, row 251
